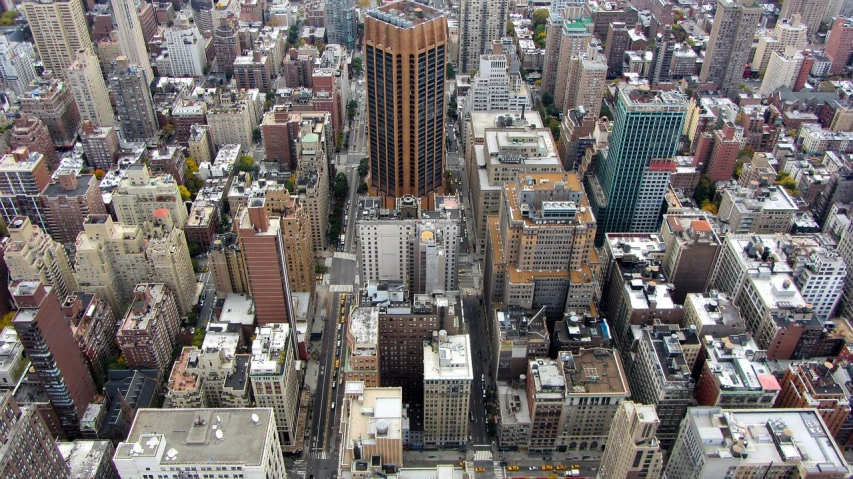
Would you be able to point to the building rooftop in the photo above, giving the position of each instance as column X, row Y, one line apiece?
column 480, row 120
column 268, row 348
column 84, row 457
column 738, row 364
column 198, row 436
column 364, row 325
column 449, row 359
column 513, row 406
column 760, row 199
column 715, row 309
column 238, row 308
column 670, row 365
column 376, row 413
column 594, row 372
column 141, row 311
column 405, row 14
column 769, row 436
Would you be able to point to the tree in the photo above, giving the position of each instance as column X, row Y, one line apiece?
column 245, row 163
column 784, row 180
column 362, row 188
column 196, row 265
column 341, row 186
column 185, row 193
column 510, row 29
column 747, row 151
column 547, row 99
column 8, row 18
column 363, row 166
column 449, row 71
column 540, row 17
column 352, row 106
column 6, row 320
column 709, row 207
column 192, row 166
column 194, row 248
column 100, row 174
column 704, row 190
column 167, row 131
column 256, row 135
column 738, row 169
column 357, row 65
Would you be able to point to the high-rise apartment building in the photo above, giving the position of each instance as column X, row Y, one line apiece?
column 544, row 231
column 405, row 99
column 574, row 36
column 89, row 90
column 788, row 32
column 139, row 195
column 263, row 252
column 362, row 347
column 733, row 28
column 67, row 202
column 298, row 244
column 572, row 401
column 497, row 86
column 692, row 247
column 735, row 372
column 632, row 448
column 758, row 210
column 783, row 69
column 16, row 66
column 29, row 132
column 667, row 383
column 29, row 449
column 133, row 101
column 275, row 378
column 53, row 352
column 340, row 19
column 131, row 40
column 480, row 23
column 721, row 164
column 233, row 118
column 839, row 44
column 100, row 144
column 448, row 374
column 23, row 176
column 587, row 73
column 59, row 30
column 254, row 71
column 186, row 48
column 147, row 332
column 51, row 101
column 32, row 255
column 811, row 12
column 243, row 443
column 767, row 443
column 168, row 259
column 312, row 175
column 227, row 265
column 94, row 326
column 626, row 194
column 226, row 42
column 421, row 253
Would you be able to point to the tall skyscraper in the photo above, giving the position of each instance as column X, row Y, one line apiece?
column 89, row 90
column 448, row 374
column 263, row 250
column 226, row 42
column 480, row 23
column 59, row 30
column 646, row 126
column 28, row 449
column 50, row 345
column 731, row 40
column 16, row 65
column 405, row 56
column 839, row 44
column 341, row 19
column 812, row 12
column 130, row 38
column 133, row 101
column 632, row 448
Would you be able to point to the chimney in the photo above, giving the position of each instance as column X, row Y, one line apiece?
column 28, row 294
column 728, row 130
column 71, row 306
column 68, row 180
column 88, row 127
column 258, row 215
column 256, row 56
column 21, row 153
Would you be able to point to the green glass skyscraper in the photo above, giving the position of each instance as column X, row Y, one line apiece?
column 628, row 190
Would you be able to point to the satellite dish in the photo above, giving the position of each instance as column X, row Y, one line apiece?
column 137, row 448
column 255, row 419
column 219, row 434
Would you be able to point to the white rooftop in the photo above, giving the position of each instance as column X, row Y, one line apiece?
column 364, row 325
column 450, row 360
column 268, row 347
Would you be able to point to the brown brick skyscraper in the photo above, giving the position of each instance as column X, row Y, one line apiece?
column 405, row 54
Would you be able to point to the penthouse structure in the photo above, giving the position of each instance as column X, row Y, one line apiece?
column 211, row 376
column 139, row 195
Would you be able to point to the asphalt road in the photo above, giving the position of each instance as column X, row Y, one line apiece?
column 478, row 429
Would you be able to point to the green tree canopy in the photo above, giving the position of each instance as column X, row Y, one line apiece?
column 245, row 163
column 341, row 187
column 540, row 17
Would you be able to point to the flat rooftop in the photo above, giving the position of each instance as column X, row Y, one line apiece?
column 364, row 325
column 189, row 436
column 271, row 341
column 405, row 14
column 774, row 436
column 714, row 309
column 738, row 364
column 594, row 371
column 450, row 360
column 374, row 407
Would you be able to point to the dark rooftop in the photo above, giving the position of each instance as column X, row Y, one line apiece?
column 53, row 190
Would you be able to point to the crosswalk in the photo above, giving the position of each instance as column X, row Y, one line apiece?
column 342, row 255
column 499, row 470
column 340, row 288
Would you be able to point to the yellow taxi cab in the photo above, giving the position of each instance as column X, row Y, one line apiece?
column 561, row 467
column 337, row 363
column 547, row 467
column 479, row 469
column 576, row 466
column 343, row 319
column 512, row 468
column 461, row 463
